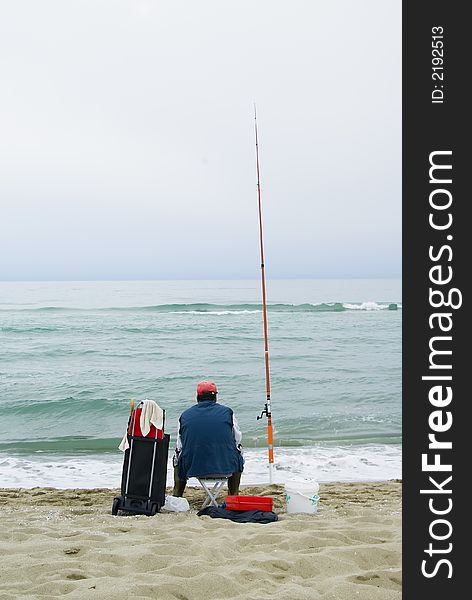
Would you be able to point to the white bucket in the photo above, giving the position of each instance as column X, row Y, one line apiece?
column 302, row 496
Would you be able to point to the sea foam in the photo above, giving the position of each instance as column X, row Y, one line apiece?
column 322, row 463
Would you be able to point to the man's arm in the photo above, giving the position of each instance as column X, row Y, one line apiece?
column 238, row 436
column 178, row 448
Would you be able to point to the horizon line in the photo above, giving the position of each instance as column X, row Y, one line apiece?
column 197, row 279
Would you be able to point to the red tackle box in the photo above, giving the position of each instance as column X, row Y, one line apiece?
column 249, row 503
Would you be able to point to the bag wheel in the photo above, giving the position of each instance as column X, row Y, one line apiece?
column 153, row 509
column 114, row 508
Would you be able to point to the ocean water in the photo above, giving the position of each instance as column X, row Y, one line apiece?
column 72, row 354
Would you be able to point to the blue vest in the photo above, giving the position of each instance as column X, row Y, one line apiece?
column 208, row 445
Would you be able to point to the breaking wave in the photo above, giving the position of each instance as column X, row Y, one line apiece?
column 228, row 309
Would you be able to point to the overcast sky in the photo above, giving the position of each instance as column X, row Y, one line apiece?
column 127, row 138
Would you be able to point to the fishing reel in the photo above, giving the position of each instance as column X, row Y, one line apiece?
column 264, row 412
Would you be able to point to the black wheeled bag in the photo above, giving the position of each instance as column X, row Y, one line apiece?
column 143, row 481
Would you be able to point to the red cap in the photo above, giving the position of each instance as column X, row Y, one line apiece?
column 205, row 387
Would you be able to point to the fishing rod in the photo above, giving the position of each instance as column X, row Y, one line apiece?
column 267, row 410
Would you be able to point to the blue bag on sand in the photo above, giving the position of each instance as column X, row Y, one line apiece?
column 240, row 516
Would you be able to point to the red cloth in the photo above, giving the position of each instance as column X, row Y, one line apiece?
column 135, row 420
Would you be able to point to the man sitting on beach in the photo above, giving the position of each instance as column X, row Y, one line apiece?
column 208, row 442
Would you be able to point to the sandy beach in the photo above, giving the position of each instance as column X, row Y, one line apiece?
column 58, row 543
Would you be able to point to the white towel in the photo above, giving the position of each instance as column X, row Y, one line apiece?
column 151, row 414
column 124, row 444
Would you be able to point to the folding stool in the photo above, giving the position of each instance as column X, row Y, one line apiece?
column 217, row 482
